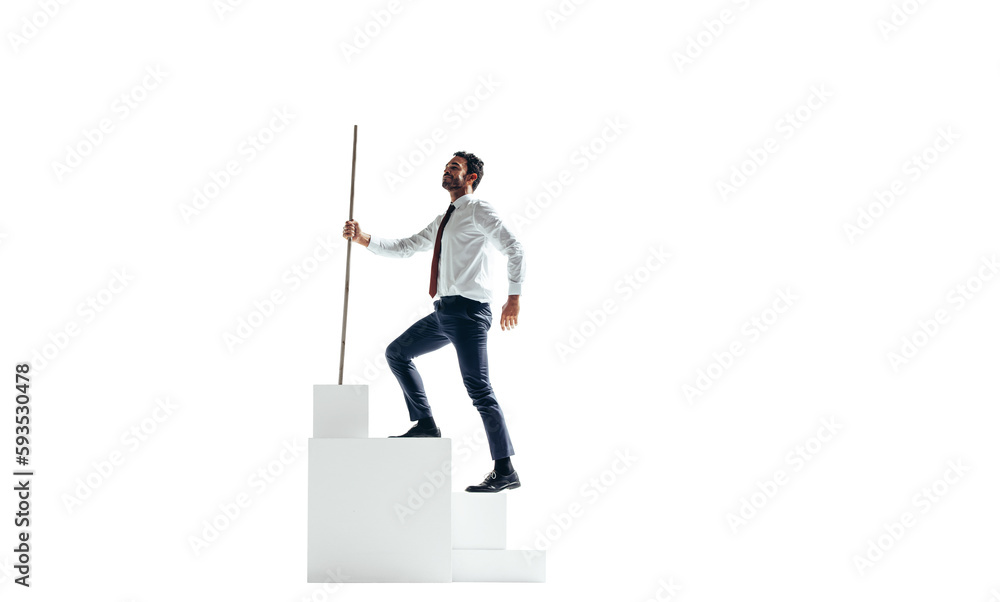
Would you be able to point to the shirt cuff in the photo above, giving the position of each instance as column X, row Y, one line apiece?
column 375, row 242
column 514, row 288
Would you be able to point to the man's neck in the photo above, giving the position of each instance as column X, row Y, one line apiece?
column 457, row 194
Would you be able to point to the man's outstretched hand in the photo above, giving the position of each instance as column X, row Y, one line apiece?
column 508, row 317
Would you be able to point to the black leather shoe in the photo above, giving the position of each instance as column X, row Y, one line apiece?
column 418, row 431
column 496, row 482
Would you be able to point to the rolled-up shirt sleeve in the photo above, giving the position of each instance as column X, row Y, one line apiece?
column 404, row 247
column 485, row 217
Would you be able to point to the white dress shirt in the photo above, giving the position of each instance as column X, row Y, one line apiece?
column 465, row 265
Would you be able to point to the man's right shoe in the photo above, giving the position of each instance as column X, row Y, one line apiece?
column 496, row 482
column 418, row 431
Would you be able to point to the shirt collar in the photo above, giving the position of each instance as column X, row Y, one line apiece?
column 462, row 200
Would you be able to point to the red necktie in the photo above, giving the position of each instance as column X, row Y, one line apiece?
column 437, row 252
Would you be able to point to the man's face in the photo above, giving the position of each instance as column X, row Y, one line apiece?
column 454, row 174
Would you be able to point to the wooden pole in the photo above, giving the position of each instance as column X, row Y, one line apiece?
column 347, row 278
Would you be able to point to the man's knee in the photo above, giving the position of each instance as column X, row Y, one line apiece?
column 481, row 393
column 394, row 352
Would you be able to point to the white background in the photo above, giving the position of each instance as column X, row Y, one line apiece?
column 578, row 386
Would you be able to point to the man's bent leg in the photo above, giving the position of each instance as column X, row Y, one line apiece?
column 423, row 337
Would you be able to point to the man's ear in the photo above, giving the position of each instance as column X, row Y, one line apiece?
column 474, row 177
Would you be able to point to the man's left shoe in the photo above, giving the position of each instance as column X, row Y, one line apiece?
column 419, row 431
column 496, row 482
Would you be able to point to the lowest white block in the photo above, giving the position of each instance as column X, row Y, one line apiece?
column 525, row 566
column 478, row 521
column 340, row 411
column 379, row 510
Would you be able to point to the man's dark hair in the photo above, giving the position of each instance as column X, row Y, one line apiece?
column 473, row 165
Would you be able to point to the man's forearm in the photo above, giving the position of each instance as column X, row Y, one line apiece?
column 366, row 239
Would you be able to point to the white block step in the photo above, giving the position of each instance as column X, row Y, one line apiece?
column 526, row 566
column 478, row 521
column 379, row 510
column 340, row 411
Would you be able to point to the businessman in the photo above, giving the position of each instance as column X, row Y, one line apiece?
column 460, row 286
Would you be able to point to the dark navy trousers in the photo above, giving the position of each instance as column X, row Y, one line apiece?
column 464, row 323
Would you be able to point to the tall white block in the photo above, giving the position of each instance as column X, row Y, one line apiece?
column 340, row 411
column 379, row 510
column 526, row 566
column 478, row 521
